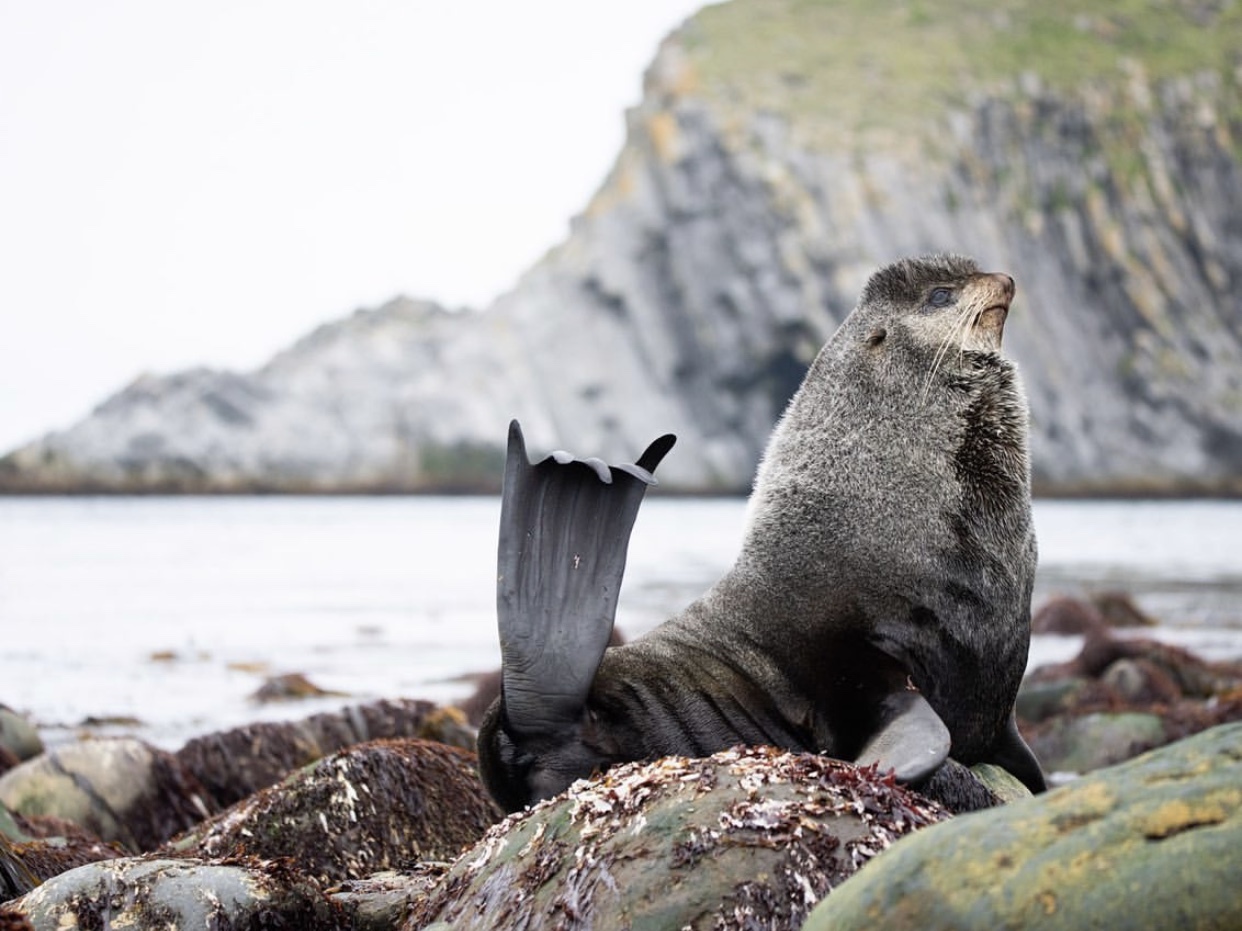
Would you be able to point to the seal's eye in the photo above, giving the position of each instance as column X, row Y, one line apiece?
column 940, row 297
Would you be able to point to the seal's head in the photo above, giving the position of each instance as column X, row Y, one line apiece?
column 938, row 304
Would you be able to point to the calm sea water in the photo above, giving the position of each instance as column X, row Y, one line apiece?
column 173, row 610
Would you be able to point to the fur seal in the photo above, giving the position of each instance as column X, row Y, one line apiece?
column 879, row 610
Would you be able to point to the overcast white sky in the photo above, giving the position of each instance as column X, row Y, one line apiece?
column 189, row 182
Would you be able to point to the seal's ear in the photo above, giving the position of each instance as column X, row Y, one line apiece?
column 876, row 336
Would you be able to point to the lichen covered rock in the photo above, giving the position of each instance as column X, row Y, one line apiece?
column 746, row 838
column 375, row 806
column 1151, row 843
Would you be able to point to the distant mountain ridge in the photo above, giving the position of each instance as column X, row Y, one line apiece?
column 783, row 150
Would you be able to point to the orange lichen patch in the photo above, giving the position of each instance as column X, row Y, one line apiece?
column 1048, row 900
column 1090, row 803
column 662, row 129
column 1176, row 816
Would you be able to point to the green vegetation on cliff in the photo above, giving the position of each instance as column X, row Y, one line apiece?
column 881, row 64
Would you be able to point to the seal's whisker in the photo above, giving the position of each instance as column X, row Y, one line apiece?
column 956, row 334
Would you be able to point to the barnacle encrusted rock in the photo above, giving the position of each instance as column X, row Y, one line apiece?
column 375, row 806
column 1151, row 843
column 236, row 763
column 749, row 837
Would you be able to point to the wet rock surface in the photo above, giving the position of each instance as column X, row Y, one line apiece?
column 376, row 806
column 121, row 789
column 1121, row 696
column 745, row 838
column 1151, row 843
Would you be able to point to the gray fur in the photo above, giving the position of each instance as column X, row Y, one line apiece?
column 888, row 549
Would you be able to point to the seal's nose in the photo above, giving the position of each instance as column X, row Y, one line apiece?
column 1006, row 283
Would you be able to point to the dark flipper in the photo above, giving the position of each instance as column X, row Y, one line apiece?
column 1016, row 757
column 911, row 738
column 564, row 529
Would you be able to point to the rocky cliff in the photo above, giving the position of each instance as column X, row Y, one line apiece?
column 781, row 151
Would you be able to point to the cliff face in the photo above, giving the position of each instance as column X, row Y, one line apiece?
column 781, row 152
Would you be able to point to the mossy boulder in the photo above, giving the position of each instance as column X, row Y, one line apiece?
column 376, row 806
column 121, row 789
column 746, row 838
column 141, row 894
column 1151, row 843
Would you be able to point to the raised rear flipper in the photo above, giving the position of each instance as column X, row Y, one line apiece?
column 911, row 739
column 564, row 530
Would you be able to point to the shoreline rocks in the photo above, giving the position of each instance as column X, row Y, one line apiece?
column 373, row 818
column 1120, row 696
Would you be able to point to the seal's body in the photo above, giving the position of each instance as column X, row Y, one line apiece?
column 879, row 610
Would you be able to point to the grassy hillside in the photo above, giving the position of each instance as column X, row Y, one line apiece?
column 879, row 64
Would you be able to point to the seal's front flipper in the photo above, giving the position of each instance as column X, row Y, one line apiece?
column 564, row 529
column 910, row 739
